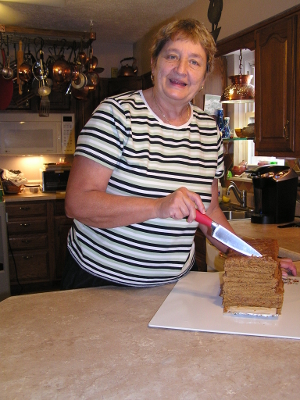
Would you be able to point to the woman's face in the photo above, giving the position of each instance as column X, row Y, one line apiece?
column 180, row 69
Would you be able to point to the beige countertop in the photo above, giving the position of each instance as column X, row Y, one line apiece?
column 288, row 238
column 28, row 196
column 96, row 344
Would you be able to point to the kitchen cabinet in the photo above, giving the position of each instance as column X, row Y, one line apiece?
column 275, row 88
column 37, row 236
column 277, row 68
column 200, row 251
column 29, row 255
column 62, row 225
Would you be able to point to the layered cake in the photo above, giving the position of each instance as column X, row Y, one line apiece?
column 253, row 283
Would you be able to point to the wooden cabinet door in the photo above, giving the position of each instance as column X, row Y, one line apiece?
column 275, row 87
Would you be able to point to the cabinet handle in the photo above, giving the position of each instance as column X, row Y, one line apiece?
column 24, row 208
column 25, row 225
column 26, row 241
column 286, row 130
column 27, row 257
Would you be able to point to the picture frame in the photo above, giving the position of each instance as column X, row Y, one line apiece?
column 212, row 104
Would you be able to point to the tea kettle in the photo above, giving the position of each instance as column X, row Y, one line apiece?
column 127, row 70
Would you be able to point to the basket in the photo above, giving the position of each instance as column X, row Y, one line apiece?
column 10, row 188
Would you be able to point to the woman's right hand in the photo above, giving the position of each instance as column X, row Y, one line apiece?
column 180, row 204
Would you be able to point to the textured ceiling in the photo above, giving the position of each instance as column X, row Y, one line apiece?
column 115, row 21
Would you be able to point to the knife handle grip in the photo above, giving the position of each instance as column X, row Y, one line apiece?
column 203, row 219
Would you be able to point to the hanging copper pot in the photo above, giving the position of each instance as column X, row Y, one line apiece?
column 80, row 82
column 25, row 71
column 61, row 71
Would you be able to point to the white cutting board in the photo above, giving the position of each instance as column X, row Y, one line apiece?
column 195, row 304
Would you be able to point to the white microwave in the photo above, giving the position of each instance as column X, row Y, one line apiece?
column 30, row 134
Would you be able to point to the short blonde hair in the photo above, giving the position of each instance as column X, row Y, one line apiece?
column 185, row 29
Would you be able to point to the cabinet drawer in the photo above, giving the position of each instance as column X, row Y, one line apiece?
column 26, row 208
column 31, row 266
column 28, row 242
column 27, row 226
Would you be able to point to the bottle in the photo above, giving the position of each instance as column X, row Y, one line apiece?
column 226, row 128
column 220, row 120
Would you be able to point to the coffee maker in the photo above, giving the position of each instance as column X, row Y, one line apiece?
column 275, row 194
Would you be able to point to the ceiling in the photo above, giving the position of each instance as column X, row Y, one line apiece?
column 114, row 21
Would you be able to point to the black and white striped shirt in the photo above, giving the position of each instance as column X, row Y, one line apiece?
column 152, row 159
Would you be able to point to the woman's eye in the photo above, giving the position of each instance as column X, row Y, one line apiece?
column 195, row 63
column 171, row 57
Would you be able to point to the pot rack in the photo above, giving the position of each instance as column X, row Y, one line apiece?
column 11, row 35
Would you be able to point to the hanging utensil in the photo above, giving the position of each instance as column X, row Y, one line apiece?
column 40, row 70
column 6, row 88
column 44, row 107
column 25, row 69
column 80, row 82
column 44, row 89
column 7, row 72
column 82, row 57
column 61, row 71
column 20, row 59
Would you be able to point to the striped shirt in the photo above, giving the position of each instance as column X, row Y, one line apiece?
column 152, row 159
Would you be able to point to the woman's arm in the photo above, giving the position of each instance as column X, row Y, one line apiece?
column 87, row 201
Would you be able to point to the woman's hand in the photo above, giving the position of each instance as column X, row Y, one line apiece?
column 287, row 267
column 180, row 204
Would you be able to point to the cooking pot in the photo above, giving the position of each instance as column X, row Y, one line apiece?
column 128, row 70
column 80, row 82
column 61, row 71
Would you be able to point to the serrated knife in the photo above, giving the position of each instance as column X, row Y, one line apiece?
column 226, row 237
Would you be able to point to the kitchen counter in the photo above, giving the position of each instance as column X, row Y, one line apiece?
column 28, row 196
column 288, row 238
column 96, row 344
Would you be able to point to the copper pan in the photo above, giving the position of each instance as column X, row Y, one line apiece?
column 80, row 94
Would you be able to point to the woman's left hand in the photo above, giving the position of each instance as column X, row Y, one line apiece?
column 287, row 267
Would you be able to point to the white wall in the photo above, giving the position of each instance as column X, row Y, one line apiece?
column 237, row 15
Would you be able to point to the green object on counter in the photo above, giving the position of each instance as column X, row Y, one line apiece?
column 229, row 174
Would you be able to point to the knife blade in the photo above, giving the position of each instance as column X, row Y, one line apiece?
column 226, row 237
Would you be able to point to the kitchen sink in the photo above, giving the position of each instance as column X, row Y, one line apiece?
column 236, row 214
column 235, row 211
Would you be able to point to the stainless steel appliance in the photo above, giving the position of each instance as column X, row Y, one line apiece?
column 275, row 193
column 55, row 180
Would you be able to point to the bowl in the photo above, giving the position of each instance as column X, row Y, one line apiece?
column 238, row 132
column 238, row 169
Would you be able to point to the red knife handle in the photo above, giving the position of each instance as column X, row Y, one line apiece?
column 203, row 219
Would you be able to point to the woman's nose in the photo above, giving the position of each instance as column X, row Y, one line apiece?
column 182, row 66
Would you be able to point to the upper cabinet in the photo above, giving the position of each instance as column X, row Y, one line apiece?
column 277, row 81
column 275, row 89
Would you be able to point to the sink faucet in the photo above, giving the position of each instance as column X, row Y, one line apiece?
column 241, row 195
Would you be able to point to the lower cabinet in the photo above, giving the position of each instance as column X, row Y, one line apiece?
column 62, row 225
column 200, row 251
column 37, row 237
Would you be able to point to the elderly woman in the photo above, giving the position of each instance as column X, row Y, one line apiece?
column 144, row 162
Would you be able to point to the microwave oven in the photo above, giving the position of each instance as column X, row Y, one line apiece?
column 30, row 134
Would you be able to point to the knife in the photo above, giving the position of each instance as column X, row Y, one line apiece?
column 226, row 237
